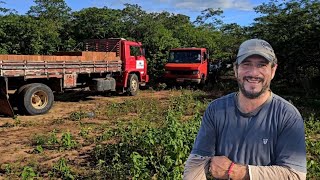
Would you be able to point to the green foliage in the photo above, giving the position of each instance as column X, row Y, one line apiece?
column 312, row 126
column 84, row 131
column 207, row 14
column 38, row 149
column 142, row 108
column 97, row 23
column 24, row 35
column 78, row 115
column 51, row 141
column 56, row 10
column 38, row 139
column 155, row 152
column 17, row 121
column 50, row 26
column 62, row 170
column 292, row 28
column 28, row 173
column 7, row 169
column 67, row 141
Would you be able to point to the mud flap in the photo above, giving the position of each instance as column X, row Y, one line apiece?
column 5, row 106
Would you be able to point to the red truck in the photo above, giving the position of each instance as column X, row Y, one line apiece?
column 187, row 66
column 113, row 64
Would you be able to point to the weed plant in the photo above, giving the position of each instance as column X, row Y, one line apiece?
column 146, row 151
column 62, row 170
column 312, row 126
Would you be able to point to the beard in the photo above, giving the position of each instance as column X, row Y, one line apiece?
column 253, row 95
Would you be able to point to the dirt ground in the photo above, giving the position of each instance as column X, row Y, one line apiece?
column 16, row 134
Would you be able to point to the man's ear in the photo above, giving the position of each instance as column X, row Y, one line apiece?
column 273, row 70
column 235, row 70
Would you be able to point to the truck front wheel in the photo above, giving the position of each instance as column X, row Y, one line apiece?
column 133, row 85
column 35, row 99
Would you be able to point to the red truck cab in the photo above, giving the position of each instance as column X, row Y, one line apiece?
column 132, row 56
column 187, row 65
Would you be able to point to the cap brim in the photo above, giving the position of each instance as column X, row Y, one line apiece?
column 246, row 55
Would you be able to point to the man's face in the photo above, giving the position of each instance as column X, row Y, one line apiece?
column 254, row 75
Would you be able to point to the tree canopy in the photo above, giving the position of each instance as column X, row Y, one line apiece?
column 292, row 27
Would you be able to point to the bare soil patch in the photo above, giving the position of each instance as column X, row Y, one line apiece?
column 16, row 134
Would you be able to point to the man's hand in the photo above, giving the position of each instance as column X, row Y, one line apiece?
column 219, row 167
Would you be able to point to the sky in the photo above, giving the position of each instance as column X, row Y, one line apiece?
column 235, row 11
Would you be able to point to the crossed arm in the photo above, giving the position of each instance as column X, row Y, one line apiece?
column 197, row 167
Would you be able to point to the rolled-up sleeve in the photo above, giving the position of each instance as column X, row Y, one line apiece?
column 275, row 172
column 196, row 167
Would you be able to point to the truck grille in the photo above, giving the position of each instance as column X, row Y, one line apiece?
column 181, row 72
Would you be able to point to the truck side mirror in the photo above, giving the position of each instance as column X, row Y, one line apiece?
column 206, row 56
column 143, row 52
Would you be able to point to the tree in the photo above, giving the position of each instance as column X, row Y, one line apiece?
column 208, row 14
column 56, row 10
column 56, row 15
column 23, row 35
column 292, row 28
column 97, row 23
column 2, row 9
column 232, row 36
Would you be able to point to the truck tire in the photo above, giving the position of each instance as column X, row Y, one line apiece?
column 15, row 99
column 35, row 98
column 21, row 89
column 133, row 85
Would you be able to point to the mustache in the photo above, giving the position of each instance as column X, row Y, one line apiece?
column 253, row 78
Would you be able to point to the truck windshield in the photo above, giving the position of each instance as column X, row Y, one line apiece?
column 185, row 56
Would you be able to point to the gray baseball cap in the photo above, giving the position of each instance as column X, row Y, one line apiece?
column 255, row 47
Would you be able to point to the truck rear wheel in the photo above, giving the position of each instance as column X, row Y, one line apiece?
column 133, row 85
column 35, row 99
column 16, row 96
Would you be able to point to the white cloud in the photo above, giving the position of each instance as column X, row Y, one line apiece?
column 204, row 4
column 191, row 5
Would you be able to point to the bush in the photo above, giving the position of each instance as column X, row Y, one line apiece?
column 153, row 152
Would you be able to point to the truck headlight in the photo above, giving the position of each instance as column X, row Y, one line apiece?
column 195, row 72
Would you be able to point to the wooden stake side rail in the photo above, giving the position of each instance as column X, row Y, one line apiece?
column 47, row 69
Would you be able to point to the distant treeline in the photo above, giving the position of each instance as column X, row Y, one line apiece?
column 292, row 27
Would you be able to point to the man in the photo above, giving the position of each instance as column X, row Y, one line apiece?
column 252, row 134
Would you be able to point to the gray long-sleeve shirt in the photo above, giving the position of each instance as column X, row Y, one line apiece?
column 272, row 135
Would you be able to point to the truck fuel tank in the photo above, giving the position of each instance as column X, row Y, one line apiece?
column 103, row 84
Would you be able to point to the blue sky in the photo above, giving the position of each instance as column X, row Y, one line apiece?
column 235, row 11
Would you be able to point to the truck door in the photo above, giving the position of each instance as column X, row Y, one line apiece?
column 136, row 58
column 204, row 65
column 134, row 61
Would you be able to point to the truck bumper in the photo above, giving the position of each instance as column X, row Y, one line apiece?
column 188, row 80
column 182, row 79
